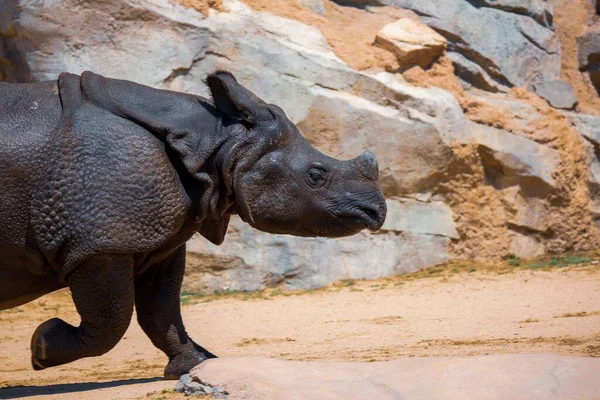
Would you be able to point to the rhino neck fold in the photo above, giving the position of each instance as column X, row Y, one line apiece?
column 237, row 157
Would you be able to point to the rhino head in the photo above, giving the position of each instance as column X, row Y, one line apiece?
column 282, row 184
column 241, row 155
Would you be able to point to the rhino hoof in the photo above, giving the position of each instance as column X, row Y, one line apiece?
column 182, row 364
column 40, row 346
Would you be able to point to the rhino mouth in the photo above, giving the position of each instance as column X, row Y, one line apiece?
column 362, row 216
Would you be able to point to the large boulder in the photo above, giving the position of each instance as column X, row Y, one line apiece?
column 412, row 42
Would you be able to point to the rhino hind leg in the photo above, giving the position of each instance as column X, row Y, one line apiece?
column 102, row 290
column 157, row 302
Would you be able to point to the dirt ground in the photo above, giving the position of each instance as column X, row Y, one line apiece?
column 455, row 310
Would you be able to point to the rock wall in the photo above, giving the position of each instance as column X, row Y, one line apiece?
column 13, row 61
column 483, row 115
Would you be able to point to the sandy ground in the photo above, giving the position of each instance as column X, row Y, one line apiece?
column 436, row 312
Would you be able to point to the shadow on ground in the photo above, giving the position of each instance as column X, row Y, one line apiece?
column 18, row 392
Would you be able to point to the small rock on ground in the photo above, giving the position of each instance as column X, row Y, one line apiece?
column 193, row 386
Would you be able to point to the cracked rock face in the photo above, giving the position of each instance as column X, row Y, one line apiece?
column 296, row 263
column 541, row 11
column 512, row 42
column 13, row 59
column 589, row 127
column 510, row 159
column 116, row 38
column 588, row 44
column 477, row 175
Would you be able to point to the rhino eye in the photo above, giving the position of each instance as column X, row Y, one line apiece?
column 316, row 177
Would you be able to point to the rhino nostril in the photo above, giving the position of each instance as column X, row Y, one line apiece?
column 371, row 213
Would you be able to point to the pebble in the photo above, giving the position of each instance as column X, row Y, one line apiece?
column 189, row 386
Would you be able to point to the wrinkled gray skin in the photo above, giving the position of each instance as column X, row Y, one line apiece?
column 103, row 181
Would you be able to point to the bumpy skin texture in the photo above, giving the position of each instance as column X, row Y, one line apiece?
column 103, row 181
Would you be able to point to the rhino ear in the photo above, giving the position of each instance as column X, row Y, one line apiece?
column 234, row 100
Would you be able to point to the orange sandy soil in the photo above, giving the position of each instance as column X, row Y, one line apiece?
column 455, row 310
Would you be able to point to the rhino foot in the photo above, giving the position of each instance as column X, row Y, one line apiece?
column 51, row 332
column 182, row 363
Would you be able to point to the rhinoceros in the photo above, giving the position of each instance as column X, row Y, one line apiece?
column 104, row 180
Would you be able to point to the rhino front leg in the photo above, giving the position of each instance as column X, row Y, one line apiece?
column 102, row 290
column 157, row 303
